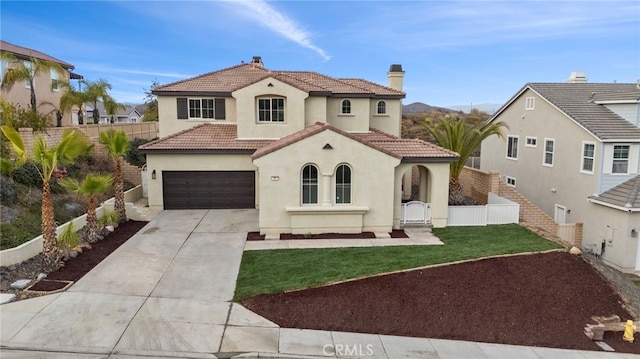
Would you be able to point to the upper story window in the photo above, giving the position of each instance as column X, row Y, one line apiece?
column 512, row 147
column 200, row 108
column 345, row 107
column 343, row 184
column 270, row 110
column 381, row 108
column 588, row 156
column 531, row 141
column 54, row 80
column 549, row 145
column 620, row 159
column 29, row 67
column 529, row 103
column 511, row 181
column 310, row 184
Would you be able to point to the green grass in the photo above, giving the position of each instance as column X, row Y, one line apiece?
column 275, row 271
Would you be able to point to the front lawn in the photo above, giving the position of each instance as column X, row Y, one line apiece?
column 275, row 271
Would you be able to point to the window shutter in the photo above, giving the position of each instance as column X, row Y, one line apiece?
column 220, row 110
column 183, row 109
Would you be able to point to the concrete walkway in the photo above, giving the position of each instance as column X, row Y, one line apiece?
column 167, row 293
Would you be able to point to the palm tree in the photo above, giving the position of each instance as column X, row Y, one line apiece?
column 70, row 98
column 71, row 145
column 116, row 143
column 457, row 135
column 19, row 70
column 91, row 186
column 112, row 107
column 94, row 92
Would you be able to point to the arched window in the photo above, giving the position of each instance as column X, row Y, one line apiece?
column 346, row 107
column 343, row 184
column 382, row 108
column 309, row 184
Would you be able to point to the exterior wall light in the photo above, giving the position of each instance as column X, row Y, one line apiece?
column 153, row 174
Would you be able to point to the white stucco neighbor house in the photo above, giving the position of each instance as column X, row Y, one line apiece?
column 573, row 149
column 313, row 153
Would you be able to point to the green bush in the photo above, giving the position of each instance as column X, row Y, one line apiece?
column 28, row 174
column 13, row 236
column 133, row 155
column 8, row 191
column 69, row 237
column 30, row 221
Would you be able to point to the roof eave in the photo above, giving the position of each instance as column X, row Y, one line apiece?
column 614, row 206
column 199, row 151
column 429, row 159
column 192, row 93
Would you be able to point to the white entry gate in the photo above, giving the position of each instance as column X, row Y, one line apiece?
column 415, row 212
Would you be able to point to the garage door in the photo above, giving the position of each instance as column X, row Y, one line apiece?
column 208, row 190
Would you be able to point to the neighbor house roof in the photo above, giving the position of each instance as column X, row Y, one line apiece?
column 126, row 112
column 580, row 102
column 225, row 81
column 24, row 53
column 625, row 196
column 222, row 138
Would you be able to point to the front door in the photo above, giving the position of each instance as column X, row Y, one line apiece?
column 560, row 214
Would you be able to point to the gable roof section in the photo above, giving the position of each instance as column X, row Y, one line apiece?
column 225, row 81
column 204, row 138
column 625, row 196
column 25, row 53
column 578, row 102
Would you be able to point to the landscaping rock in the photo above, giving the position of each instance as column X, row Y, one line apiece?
column 41, row 276
column 20, row 283
column 109, row 228
column 575, row 251
column 6, row 297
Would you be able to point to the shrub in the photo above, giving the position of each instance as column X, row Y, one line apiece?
column 133, row 155
column 28, row 174
column 69, row 237
column 13, row 236
column 30, row 221
column 8, row 192
column 109, row 219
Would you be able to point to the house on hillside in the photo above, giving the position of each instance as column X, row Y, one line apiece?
column 313, row 153
column 130, row 113
column 47, row 93
column 572, row 149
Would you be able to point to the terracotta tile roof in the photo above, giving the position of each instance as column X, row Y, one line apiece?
column 204, row 138
column 225, row 81
column 25, row 53
column 625, row 195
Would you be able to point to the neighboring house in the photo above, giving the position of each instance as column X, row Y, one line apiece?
column 48, row 97
column 571, row 141
column 313, row 153
column 131, row 113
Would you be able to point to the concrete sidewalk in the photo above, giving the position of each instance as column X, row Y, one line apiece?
column 167, row 293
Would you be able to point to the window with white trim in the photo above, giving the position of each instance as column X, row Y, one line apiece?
column 549, row 146
column 588, row 157
column 345, row 107
column 531, row 141
column 381, row 108
column 511, row 181
column 343, row 184
column 55, row 86
column 512, row 147
column 620, row 159
column 271, row 109
column 310, row 184
column 29, row 67
column 529, row 103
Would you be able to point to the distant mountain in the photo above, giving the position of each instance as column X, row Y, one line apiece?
column 419, row 107
column 489, row 108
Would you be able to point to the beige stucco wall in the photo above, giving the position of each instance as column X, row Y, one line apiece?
column 356, row 121
column 434, row 190
column 191, row 162
column 533, row 179
column 614, row 226
column 315, row 110
column 168, row 115
column 247, row 114
column 391, row 121
column 372, row 187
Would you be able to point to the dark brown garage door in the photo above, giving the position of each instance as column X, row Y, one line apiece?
column 208, row 190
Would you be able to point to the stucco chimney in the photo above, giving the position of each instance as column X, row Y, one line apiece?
column 257, row 61
column 396, row 77
column 577, row 77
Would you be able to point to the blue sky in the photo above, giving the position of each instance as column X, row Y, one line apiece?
column 453, row 52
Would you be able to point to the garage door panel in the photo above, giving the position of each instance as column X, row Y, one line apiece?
column 208, row 189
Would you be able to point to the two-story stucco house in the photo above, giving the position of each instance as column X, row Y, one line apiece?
column 47, row 93
column 313, row 153
column 567, row 144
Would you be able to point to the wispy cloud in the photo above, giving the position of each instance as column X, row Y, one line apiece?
column 276, row 21
column 111, row 69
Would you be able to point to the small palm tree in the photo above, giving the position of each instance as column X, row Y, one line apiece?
column 112, row 107
column 457, row 135
column 19, row 70
column 71, row 146
column 116, row 143
column 70, row 98
column 91, row 187
column 94, row 92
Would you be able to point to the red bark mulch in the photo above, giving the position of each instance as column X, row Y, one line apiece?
column 535, row 300
column 396, row 233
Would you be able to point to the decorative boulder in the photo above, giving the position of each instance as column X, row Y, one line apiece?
column 575, row 251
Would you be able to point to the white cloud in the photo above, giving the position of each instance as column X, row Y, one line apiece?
column 111, row 69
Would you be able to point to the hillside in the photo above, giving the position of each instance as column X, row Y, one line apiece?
column 419, row 107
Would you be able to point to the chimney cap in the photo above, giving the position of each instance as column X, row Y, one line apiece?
column 577, row 77
column 395, row 68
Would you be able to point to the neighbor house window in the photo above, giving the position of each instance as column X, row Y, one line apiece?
column 55, row 86
column 345, row 108
column 549, row 145
column 270, row 110
column 531, row 141
column 381, row 108
column 588, row 156
column 511, row 181
column 530, row 102
column 620, row 159
column 343, row 184
column 309, row 185
column 29, row 66
column 512, row 147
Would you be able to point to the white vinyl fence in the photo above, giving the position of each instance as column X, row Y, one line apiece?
column 415, row 212
column 498, row 211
